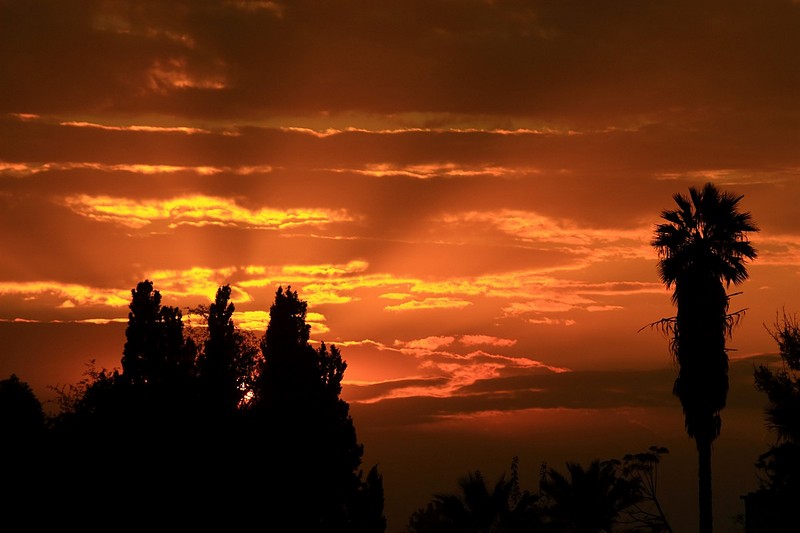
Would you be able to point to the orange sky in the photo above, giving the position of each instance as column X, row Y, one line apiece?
column 464, row 191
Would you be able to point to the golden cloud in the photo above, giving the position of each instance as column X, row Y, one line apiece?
column 532, row 227
column 427, row 344
column 67, row 292
column 314, row 271
column 526, row 291
column 198, row 209
column 29, row 168
column 197, row 282
column 433, row 170
column 552, row 321
column 430, row 303
column 259, row 320
column 488, row 340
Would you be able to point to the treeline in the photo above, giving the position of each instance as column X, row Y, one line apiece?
column 612, row 495
column 202, row 427
column 214, row 427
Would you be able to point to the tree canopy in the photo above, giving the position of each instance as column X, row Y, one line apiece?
column 207, row 424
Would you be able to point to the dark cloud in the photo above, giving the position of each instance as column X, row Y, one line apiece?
column 612, row 390
column 561, row 62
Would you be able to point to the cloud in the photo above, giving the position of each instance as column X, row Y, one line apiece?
column 529, row 226
column 488, row 340
column 600, row 308
column 251, row 320
column 461, row 59
column 257, row 5
column 437, row 170
column 176, row 73
column 371, row 392
column 429, row 303
column 29, row 169
column 198, row 210
column 197, row 282
column 355, row 266
column 778, row 249
column 443, row 369
column 547, row 321
column 95, row 321
column 151, row 129
column 427, row 344
column 419, row 400
column 76, row 295
column 258, row 320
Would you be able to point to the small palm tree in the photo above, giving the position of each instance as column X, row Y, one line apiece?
column 587, row 500
column 479, row 508
column 703, row 247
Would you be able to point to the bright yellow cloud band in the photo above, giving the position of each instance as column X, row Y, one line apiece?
column 198, row 210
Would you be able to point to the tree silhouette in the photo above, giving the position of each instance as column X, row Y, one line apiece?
column 156, row 354
column 311, row 452
column 227, row 362
column 22, row 433
column 479, row 508
column 781, row 463
column 702, row 247
column 367, row 510
column 142, row 425
column 642, row 468
column 587, row 500
column 185, row 437
column 21, row 415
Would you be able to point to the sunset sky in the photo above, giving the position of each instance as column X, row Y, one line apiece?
column 463, row 191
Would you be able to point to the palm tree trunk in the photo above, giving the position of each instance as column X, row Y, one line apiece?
column 704, row 480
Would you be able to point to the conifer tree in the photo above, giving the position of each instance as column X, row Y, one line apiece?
column 312, row 455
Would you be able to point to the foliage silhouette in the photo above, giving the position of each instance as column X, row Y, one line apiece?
column 781, row 463
column 606, row 496
column 703, row 247
column 156, row 354
column 21, row 414
column 646, row 514
column 479, row 508
column 227, row 361
column 198, row 429
column 22, row 432
column 316, row 452
column 587, row 500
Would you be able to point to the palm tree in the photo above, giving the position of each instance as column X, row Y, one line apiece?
column 703, row 248
column 479, row 508
column 587, row 500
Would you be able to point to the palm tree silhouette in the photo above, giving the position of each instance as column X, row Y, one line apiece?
column 587, row 500
column 703, row 248
column 479, row 508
